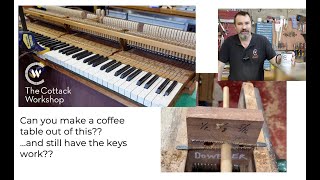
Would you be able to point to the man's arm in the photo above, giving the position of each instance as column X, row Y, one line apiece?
column 220, row 70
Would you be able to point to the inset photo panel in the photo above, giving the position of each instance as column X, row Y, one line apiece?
column 262, row 44
column 107, row 56
column 236, row 127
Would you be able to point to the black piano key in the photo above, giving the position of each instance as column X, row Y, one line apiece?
column 61, row 43
column 65, row 49
column 162, row 86
column 120, row 71
column 112, row 67
column 49, row 41
column 91, row 58
column 78, row 54
column 134, row 74
column 56, row 44
column 47, row 44
column 74, row 51
column 41, row 39
column 151, row 81
column 52, row 43
column 83, row 55
column 144, row 78
column 45, row 41
column 36, row 35
column 71, row 49
column 168, row 91
column 129, row 71
column 96, row 63
column 60, row 47
column 94, row 60
column 108, row 64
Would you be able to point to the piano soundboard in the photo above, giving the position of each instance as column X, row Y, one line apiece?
column 145, row 64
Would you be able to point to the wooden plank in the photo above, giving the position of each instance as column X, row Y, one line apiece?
column 249, row 96
column 263, row 158
column 248, row 99
column 123, row 35
column 206, row 86
column 210, row 124
column 173, row 133
column 115, row 96
column 263, row 161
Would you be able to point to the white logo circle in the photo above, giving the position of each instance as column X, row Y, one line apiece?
column 255, row 52
column 35, row 73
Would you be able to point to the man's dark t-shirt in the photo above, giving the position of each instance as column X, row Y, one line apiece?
column 246, row 64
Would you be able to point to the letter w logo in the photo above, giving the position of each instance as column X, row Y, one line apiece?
column 35, row 73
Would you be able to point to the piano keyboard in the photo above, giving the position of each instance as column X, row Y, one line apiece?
column 142, row 82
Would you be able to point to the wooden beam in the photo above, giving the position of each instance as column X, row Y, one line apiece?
column 231, row 125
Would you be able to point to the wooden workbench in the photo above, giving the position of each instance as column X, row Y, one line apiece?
column 296, row 72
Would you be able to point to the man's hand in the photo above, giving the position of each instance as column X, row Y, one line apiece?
column 276, row 60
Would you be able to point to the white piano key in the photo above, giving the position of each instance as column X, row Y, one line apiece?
column 94, row 70
column 119, row 83
column 157, row 100
column 109, row 76
column 152, row 94
column 112, row 82
column 83, row 69
column 69, row 63
column 129, row 86
column 80, row 64
column 134, row 94
column 145, row 92
column 98, row 77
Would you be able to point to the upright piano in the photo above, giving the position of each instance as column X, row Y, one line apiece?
column 135, row 63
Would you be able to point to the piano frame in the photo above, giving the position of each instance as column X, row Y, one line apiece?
column 122, row 35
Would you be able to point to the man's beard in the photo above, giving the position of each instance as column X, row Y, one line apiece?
column 244, row 37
